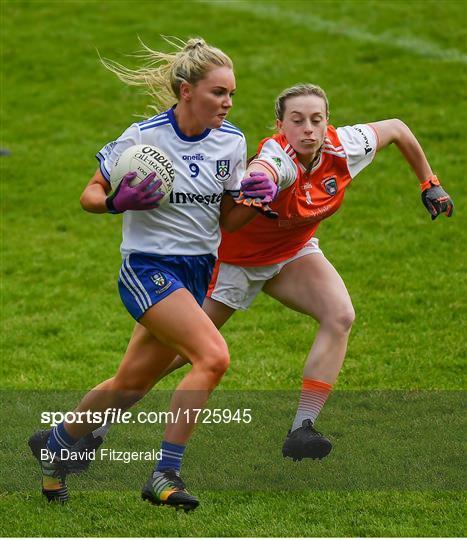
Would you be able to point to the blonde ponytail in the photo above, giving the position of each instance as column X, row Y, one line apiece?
column 163, row 73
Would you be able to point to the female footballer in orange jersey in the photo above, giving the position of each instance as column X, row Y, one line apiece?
column 312, row 163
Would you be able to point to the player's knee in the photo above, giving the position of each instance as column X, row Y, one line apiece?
column 129, row 391
column 215, row 358
column 340, row 319
column 344, row 318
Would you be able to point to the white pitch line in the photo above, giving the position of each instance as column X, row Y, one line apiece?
column 314, row 23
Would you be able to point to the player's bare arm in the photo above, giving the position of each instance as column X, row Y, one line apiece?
column 233, row 216
column 95, row 193
column 395, row 131
column 435, row 199
column 257, row 167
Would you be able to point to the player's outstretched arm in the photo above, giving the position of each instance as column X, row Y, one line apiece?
column 435, row 199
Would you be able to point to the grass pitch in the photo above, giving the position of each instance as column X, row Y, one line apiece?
column 63, row 326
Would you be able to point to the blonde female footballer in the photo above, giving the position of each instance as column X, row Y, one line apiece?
column 168, row 255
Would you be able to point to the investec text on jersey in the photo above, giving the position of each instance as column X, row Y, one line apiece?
column 184, row 198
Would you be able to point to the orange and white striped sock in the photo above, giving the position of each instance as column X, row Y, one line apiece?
column 314, row 395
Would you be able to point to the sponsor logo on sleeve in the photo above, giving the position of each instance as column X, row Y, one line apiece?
column 109, row 146
column 368, row 147
column 277, row 161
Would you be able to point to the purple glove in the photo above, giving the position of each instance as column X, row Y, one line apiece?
column 259, row 185
column 143, row 196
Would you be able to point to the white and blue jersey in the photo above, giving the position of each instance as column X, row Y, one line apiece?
column 206, row 166
column 174, row 246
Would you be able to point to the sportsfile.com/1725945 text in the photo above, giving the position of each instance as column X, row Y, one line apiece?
column 118, row 416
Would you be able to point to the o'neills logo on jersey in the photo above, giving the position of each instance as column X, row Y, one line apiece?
column 194, row 157
column 178, row 197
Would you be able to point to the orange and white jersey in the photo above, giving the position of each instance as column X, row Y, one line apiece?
column 304, row 199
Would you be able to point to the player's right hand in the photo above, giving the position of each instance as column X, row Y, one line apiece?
column 143, row 196
column 257, row 191
column 259, row 185
column 435, row 199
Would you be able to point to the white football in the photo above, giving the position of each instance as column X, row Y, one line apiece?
column 144, row 159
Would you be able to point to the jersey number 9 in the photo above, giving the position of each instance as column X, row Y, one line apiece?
column 194, row 170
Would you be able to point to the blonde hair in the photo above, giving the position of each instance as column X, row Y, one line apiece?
column 302, row 89
column 163, row 73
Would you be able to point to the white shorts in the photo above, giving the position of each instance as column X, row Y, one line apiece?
column 237, row 286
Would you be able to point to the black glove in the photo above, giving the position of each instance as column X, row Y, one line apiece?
column 435, row 199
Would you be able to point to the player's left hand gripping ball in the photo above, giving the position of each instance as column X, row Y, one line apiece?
column 435, row 199
column 258, row 190
column 142, row 196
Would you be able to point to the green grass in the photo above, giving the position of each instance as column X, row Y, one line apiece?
column 243, row 514
column 63, row 326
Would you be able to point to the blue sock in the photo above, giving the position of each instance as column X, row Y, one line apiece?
column 59, row 439
column 172, row 455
